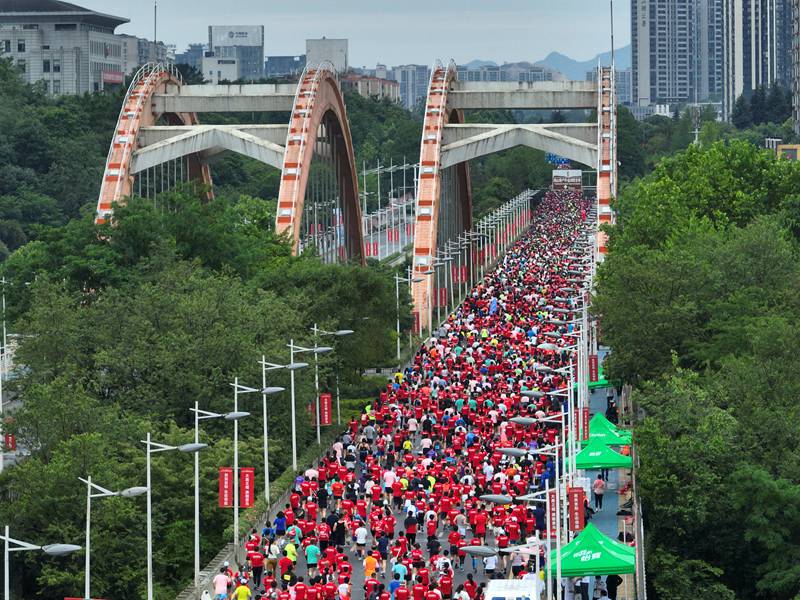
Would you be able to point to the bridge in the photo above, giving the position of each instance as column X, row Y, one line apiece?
column 159, row 142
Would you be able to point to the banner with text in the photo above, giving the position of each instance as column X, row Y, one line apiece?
column 576, row 497
column 585, row 423
column 225, row 487
column 593, row 368
column 552, row 515
column 325, row 409
column 247, row 487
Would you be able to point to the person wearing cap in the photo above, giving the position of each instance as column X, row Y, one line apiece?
column 242, row 591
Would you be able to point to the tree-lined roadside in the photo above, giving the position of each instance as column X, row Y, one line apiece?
column 699, row 302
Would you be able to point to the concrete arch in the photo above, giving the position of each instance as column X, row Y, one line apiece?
column 438, row 115
column 318, row 99
column 137, row 112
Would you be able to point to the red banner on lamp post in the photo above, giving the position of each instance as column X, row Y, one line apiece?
column 552, row 515
column 247, row 486
column 225, row 487
column 325, row 409
column 10, row 442
column 576, row 497
column 585, row 423
column 593, row 367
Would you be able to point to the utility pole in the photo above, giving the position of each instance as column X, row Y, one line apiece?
column 155, row 30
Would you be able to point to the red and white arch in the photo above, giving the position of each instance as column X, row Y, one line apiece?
column 318, row 99
column 137, row 112
column 426, row 221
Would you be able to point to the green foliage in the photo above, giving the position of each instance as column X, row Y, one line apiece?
column 699, row 302
column 52, row 153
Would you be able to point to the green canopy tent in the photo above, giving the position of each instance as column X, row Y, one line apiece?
column 603, row 430
column 596, row 455
column 601, row 382
column 594, row 553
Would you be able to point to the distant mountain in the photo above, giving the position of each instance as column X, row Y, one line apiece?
column 576, row 69
column 476, row 64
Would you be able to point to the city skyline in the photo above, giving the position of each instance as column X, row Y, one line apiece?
column 442, row 32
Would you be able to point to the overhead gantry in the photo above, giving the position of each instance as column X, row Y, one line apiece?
column 444, row 203
column 158, row 132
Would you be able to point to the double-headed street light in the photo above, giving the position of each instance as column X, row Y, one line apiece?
column 338, row 333
column 95, row 491
column 316, row 350
column 266, row 391
column 151, row 448
column 236, row 415
column 20, row 546
column 202, row 415
column 409, row 280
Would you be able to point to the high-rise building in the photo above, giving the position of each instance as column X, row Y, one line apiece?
column 757, row 46
column 244, row 43
column 676, row 51
column 70, row 49
column 331, row 50
column 284, row 66
column 796, row 64
column 413, row 80
column 193, row 56
column 622, row 83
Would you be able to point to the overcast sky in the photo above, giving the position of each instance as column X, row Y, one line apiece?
column 393, row 31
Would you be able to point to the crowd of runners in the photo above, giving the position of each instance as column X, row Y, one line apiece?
column 387, row 512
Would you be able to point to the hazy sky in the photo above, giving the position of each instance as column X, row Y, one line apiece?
column 393, row 31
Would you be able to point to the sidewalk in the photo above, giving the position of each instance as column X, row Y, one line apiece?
column 607, row 520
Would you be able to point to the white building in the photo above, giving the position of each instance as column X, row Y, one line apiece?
column 334, row 51
column 72, row 50
column 216, row 69
column 242, row 43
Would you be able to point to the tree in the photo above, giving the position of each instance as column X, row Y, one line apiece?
column 741, row 115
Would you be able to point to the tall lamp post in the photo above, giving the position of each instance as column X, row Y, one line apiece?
column 409, row 280
column 338, row 333
column 151, row 448
column 3, row 351
column 292, row 367
column 266, row 391
column 237, row 389
column 202, row 415
column 19, row 546
column 316, row 350
column 95, row 491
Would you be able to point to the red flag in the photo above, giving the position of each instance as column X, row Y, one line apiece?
column 247, row 486
column 585, row 424
column 10, row 442
column 325, row 409
column 225, row 487
column 593, row 367
column 576, row 497
column 552, row 516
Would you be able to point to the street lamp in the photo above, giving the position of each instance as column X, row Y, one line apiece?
column 316, row 350
column 100, row 492
column 19, row 546
column 409, row 280
column 292, row 367
column 235, row 416
column 201, row 415
column 338, row 333
column 150, row 449
column 266, row 391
